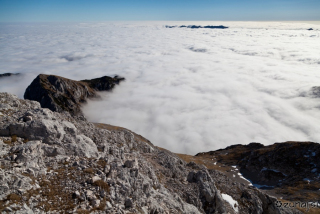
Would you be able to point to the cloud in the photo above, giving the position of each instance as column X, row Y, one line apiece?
column 185, row 90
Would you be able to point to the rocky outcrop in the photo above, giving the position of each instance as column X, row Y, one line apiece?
column 290, row 170
column 53, row 162
column 61, row 94
column 9, row 74
column 198, row 26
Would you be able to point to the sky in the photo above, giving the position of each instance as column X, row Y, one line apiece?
column 162, row 10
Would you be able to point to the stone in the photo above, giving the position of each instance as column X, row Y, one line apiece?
column 108, row 204
column 95, row 202
column 128, row 203
column 8, row 209
column 89, row 193
column 131, row 163
column 94, row 179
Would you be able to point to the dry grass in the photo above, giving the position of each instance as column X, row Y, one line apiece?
column 14, row 197
column 11, row 199
column 8, row 142
column 11, row 141
column 301, row 190
column 161, row 177
column 14, row 138
column 30, row 176
column 89, row 170
column 310, row 211
column 302, row 209
column 109, row 127
column 103, row 185
column 80, row 211
column 202, row 160
column 53, row 193
column 101, row 206
column 118, row 128
column 102, row 163
column 120, row 145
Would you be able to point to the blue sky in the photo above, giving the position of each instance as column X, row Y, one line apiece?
column 176, row 10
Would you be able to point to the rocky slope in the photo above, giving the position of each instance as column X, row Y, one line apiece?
column 62, row 94
column 290, row 170
column 54, row 162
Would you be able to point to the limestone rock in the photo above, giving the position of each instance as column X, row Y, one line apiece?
column 46, row 164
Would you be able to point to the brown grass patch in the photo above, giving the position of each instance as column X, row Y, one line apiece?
column 80, row 211
column 53, row 193
column 118, row 128
column 14, row 197
column 303, row 210
column 102, row 163
column 14, row 138
column 89, row 170
column 103, row 185
column 201, row 160
column 8, row 142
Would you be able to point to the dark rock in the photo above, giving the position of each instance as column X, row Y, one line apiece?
column 61, row 94
column 280, row 167
column 9, row 74
column 128, row 203
column 216, row 27
column 103, row 83
column 310, row 29
column 198, row 26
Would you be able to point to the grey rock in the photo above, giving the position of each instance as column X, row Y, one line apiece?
column 8, row 74
column 131, row 163
column 62, row 154
column 94, row 179
column 108, row 204
column 89, row 193
column 95, row 202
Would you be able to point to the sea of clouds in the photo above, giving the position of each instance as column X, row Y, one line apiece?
column 187, row 90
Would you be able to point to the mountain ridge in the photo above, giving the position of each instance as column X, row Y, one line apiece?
column 61, row 94
column 56, row 162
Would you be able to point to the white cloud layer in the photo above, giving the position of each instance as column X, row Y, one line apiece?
column 187, row 90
